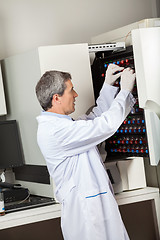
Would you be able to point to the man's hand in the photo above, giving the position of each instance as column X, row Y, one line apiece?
column 111, row 75
column 128, row 79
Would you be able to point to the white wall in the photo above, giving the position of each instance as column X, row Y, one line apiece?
column 25, row 24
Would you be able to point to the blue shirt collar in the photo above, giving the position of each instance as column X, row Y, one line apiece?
column 55, row 114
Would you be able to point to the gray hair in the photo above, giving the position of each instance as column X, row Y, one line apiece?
column 52, row 82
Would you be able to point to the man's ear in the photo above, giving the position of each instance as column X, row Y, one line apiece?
column 55, row 99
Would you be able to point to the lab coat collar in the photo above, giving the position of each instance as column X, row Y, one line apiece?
column 43, row 113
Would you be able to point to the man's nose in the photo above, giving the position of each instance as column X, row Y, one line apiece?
column 76, row 94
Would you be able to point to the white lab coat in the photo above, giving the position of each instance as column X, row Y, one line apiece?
column 89, row 210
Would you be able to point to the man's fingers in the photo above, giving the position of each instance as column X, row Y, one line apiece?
column 113, row 68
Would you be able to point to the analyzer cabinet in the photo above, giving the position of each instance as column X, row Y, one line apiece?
column 144, row 36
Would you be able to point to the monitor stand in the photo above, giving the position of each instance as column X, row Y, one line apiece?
column 9, row 185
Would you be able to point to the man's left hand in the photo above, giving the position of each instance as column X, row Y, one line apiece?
column 113, row 73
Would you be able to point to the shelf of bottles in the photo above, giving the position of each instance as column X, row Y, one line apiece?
column 131, row 138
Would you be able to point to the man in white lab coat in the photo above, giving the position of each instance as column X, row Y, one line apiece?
column 89, row 210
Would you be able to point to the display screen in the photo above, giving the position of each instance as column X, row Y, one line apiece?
column 11, row 154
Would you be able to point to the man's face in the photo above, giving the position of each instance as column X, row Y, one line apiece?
column 68, row 99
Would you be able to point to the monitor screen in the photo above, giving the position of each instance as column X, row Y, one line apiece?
column 11, row 154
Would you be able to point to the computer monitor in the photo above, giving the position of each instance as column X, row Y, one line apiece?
column 11, row 154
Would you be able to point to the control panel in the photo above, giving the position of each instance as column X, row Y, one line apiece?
column 131, row 137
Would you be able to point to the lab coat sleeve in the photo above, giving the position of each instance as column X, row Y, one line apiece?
column 104, row 101
column 79, row 136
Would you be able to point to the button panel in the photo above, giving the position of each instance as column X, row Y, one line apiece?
column 131, row 137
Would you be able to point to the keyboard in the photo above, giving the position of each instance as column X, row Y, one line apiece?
column 32, row 202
